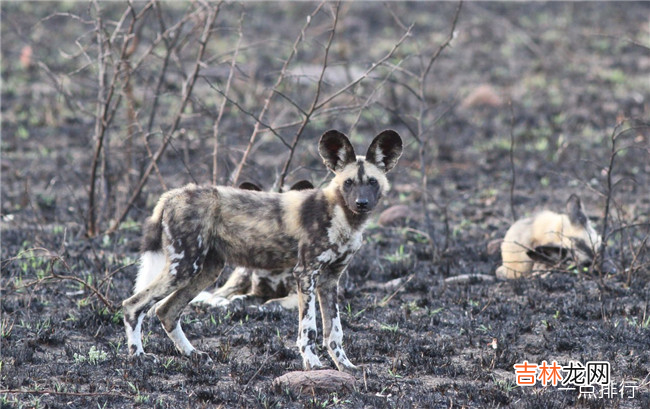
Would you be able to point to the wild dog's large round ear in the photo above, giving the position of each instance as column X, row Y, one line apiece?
column 385, row 150
column 575, row 211
column 302, row 185
column 336, row 150
column 250, row 186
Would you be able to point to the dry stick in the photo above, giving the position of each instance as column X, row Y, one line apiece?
column 308, row 114
column 169, row 47
column 103, row 117
column 367, row 72
column 372, row 95
column 513, row 179
column 267, row 102
column 53, row 392
column 188, row 86
column 423, row 108
column 54, row 276
column 635, row 257
column 237, row 105
column 316, row 106
column 215, row 129
column 608, row 197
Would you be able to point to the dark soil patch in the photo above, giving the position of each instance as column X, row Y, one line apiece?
column 571, row 72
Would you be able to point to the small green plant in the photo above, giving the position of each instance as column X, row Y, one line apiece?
column 391, row 328
column 168, row 363
column 29, row 261
column 139, row 398
column 412, row 306
column 116, row 347
column 398, row 256
column 436, row 311
column 504, row 384
column 351, row 314
column 638, row 323
column 484, row 329
column 394, row 374
column 6, row 327
column 7, row 401
column 95, row 356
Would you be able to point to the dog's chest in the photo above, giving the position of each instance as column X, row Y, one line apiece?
column 341, row 241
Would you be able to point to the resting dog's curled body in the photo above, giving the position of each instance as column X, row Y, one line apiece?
column 547, row 239
column 195, row 230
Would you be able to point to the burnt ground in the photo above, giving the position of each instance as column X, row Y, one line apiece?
column 554, row 78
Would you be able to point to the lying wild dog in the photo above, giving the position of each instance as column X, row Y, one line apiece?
column 249, row 285
column 547, row 240
column 195, row 230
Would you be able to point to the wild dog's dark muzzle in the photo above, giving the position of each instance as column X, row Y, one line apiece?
column 362, row 204
column 366, row 198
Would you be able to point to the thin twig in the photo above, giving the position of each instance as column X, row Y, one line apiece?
column 187, row 92
column 513, row 178
column 54, row 258
column 608, row 196
column 61, row 393
column 312, row 108
column 215, row 129
column 104, row 114
column 267, row 101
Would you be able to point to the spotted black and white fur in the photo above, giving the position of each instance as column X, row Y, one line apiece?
column 254, row 286
column 195, row 230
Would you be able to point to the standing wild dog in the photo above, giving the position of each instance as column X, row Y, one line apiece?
column 255, row 285
column 195, row 230
column 548, row 239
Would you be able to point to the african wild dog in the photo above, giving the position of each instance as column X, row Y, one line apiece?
column 253, row 285
column 548, row 239
column 195, row 230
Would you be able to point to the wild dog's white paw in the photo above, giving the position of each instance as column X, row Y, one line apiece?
column 310, row 361
column 200, row 357
column 206, row 297
column 341, row 361
column 143, row 357
column 346, row 366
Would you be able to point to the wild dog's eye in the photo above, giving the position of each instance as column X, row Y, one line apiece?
column 348, row 182
column 372, row 181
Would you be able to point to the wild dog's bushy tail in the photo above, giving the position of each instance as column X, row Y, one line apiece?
column 152, row 258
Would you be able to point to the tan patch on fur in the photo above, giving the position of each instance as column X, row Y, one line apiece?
column 546, row 228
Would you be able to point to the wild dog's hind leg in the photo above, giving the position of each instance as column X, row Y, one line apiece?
column 136, row 307
column 332, row 330
column 169, row 311
column 307, row 317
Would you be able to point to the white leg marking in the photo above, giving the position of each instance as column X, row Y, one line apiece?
column 334, row 344
column 134, row 336
column 307, row 326
column 180, row 340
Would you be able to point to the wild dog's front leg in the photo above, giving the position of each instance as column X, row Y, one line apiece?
column 332, row 330
column 307, row 318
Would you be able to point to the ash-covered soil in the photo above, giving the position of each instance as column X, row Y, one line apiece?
column 554, row 78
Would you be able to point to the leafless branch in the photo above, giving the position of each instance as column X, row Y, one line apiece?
column 187, row 92
column 215, row 129
column 267, row 101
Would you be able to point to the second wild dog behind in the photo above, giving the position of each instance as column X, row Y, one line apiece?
column 194, row 231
